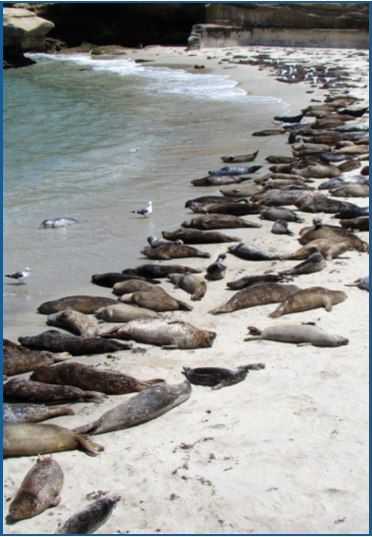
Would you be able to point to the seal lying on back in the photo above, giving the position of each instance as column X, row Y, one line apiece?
column 28, row 391
column 309, row 299
column 191, row 284
column 55, row 341
column 280, row 213
column 160, row 271
column 328, row 249
column 111, row 278
column 40, row 489
column 173, row 251
column 123, row 313
column 195, row 236
column 172, row 335
column 298, row 334
column 217, row 377
column 158, row 302
column 28, row 413
column 86, row 377
column 91, row 518
column 258, row 295
column 218, row 221
column 131, row 286
column 18, row 359
column 26, row 439
column 75, row 322
column 314, row 263
column 249, row 281
column 83, row 304
column 251, row 253
column 336, row 234
column 146, row 406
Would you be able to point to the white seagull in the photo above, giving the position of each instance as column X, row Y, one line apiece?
column 146, row 211
column 20, row 275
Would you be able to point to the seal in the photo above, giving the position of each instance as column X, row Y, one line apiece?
column 336, row 234
column 281, row 228
column 318, row 203
column 18, row 359
column 110, row 279
column 161, row 271
column 75, row 322
column 362, row 283
column 356, row 224
column 157, row 302
column 131, row 286
column 217, row 377
column 269, row 132
column 220, row 180
column 27, row 439
column 217, row 271
column 204, row 200
column 351, row 191
column 249, row 281
column 233, row 209
column 26, row 413
column 278, row 198
column 82, row 304
column 251, row 253
column 235, row 170
column 317, row 171
column 258, row 295
column 242, row 191
column 328, row 249
column 55, row 341
column 314, row 263
column 195, row 236
column 91, row 518
column 305, row 333
column 40, row 489
column 154, row 242
column 171, row 335
column 28, row 391
column 237, row 159
column 143, row 407
column 280, row 213
column 309, row 299
column 191, row 284
column 218, row 221
column 355, row 212
column 122, row 313
column 87, row 378
column 272, row 159
column 58, row 222
column 173, row 251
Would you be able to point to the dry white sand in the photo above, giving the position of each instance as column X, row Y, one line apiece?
column 284, row 452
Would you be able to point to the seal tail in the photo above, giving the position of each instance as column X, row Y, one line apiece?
column 255, row 333
column 253, row 367
column 90, row 428
column 151, row 382
column 219, row 311
column 61, row 411
column 90, row 448
column 204, row 256
column 183, row 306
column 94, row 397
column 276, row 314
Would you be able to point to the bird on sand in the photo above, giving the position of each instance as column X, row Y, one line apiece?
column 146, row 211
column 20, row 276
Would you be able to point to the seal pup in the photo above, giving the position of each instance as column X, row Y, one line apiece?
column 281, row 228
column 217, row 271
column 280, row 213
column 28, row 413
column 251, row 253
column 157, row 302
column 218, row 221
column 257, row 295
column 87, row 378
column 91, row 518
column 362, row 283
column 55, row 341
column 29, row 391
column 39, row 490
column 217, row 377
column 171, row 335
column 173, row 251
column 18, row 359
column 314, row 263
column 195, row 236
column 329, row 250
column 191, row 284
column 160, row 271
column 123, row 313
column 82, row 304
column 237, row 159
column 299, row 334
column 141, row 408
column 249, row 281
column 309, row 299
column 27, row 439
column 75, row 322
column 110, row 279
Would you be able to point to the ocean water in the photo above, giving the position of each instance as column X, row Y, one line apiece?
column 93, row 139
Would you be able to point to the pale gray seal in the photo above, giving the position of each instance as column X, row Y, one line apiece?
column 305, row 333
column 28, row 413
column 362, row 283
column 251, row 253
column 58, row 222
column 281, row 228
column 75, row 322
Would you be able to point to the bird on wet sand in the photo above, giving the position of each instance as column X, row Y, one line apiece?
column 146, row 211
column 20, row 276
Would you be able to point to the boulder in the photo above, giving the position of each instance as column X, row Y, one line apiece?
column 23, row 31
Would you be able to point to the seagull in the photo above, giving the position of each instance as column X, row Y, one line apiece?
column 146, row 211
column 20, row 275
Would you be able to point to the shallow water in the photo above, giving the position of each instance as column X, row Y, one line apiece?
column 70, row 124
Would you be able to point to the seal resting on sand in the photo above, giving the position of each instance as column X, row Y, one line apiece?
column 83, row 304
column 195, row 236
column 248, row 281
column 251, row 253
column 309, row 299
column 217, row 270
column 217, row 377
column 157, row 302
column 336, row 234
column 218, row 221
column 18, row 359
column 28, row 413
column 123, row 313
column 305, row 333
column 191, row 284
column 91, row 518
column 328, row 249
column 160, row 271
column 75, row 322
column 173, row 251
column 314, row 263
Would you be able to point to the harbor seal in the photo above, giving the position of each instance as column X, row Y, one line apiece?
column 203, row 200
column 299, row 334
column 233, row 209
column 328, row 249
column 281, row 228
column 29, row 391
column 191, row 284
column 314, row 263
column 171, row 335
column 218, row 221
column 217, row 271
column 351, row 191
column 59, row 222
column 245, row 190
column 91, row 518
column 219, row 180
column 309, row 299
column 82, row 304
column 88, row 378
column 173, row 251
column 141, row 408
column 18, row 359
column 318, row 203
column 160, row 271
column 356, row 224
column 131, row 286
column 195, row 236
column 75, row 322
column 217, row 377
column 249, row 281
column 278, row 198
column 362, row 283
column 27, row 439
column 336, row 234
column 110, row 279
column 157, row 302
column 55, row 341
column 40, row 489
column 28, row 413
column 280, row 213
column 251, row 253
column 154, row 242
column 237, row 159
column 258, row 295
column 122, row 313
column 235, row 170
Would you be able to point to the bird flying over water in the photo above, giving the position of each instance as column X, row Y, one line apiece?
column 146, row 211
column 20, row 275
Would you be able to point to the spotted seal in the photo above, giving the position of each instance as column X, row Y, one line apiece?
column 75, row 322
column 309, row 299
column 18, row 359
column 91, row 518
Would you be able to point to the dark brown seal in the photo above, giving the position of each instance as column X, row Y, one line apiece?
column 173, row 251
column 217, row 377
column 18, row 359
column 195, row 236
column 218, row 221
column 83, row 304
column 161, row 271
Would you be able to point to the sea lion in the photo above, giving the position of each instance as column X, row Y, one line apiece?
column 91, row 518
column 218, row 221
column 82, row 304
column 217, row 271
column 251, row 253
column 195, row 236
column 87, row 378
column 158, row 302
column 131, row 286
column 235, row 170
column 298, row 334
column 18, row 359
column 336, row 234
column 236, row 159
column 351, row 191
column 160, row 271
column 28, row 391
column 233, row 209
column 173, row 251
column 28, row 413
column 318, row 203
column 191, row 284
column 257, row 295
column 144, row 407
column 360, row 223
column 40, row 489
column 122, row 313
column 217, row 377
column 26, row 439
column 280, row 227
column 111, row 278
column 314, row 263
column 220, row 180
column 280, row 213
column 328, row 248
column 309, row 299
column 75, row 322
column 249, row 281
column 55, row 341
column 53, row 223
column 172, row 335
column 362, row 283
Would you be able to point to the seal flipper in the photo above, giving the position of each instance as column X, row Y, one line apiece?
column 94, row 397
column 183, row 306
column 90, row 448
column 89, row 428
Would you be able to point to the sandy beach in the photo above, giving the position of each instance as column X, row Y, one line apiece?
column 284, row 452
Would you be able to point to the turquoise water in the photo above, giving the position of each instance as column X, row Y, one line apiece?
column 93, row 139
